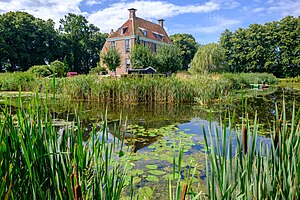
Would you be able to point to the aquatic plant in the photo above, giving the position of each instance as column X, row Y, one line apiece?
column 254, row 170
column 39, row 161
column 19, row 80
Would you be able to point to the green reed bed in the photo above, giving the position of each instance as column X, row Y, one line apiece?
column 201, row 88
column 145, row 89
column 18, row 80
column 40, row 162
column 242, row 80
column 255, row 170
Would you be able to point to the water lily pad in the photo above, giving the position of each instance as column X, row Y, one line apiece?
column 146, row 192
column 151, row 166
column 156, row 172
column 136, row 172
column 152, row 178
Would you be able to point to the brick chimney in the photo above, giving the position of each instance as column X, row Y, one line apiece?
column 161, row 22
column 132, row 13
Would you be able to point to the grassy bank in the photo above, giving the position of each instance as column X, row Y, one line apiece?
column 146, row 89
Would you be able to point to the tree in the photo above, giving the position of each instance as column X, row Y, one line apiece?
column 112, row 59
column 58, row 68
column 273, row 47
column 141, row 57
column 82, row 42
column 209, row 58
column 40, row 70
column 168, row 59
column 188, row 47
column 26, row 41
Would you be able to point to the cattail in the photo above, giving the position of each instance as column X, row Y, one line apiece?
column 244, row 139
column 184, row 191
column 78, row 193
column 72, row 183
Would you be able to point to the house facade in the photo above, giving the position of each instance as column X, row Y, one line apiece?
column 132, row 31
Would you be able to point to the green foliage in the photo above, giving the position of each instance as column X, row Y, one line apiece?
column 58, row 68
column 157, row 88
column 168, row 59
column 82, row 42
column 112, row 59
column 26, row 41
column 40, row 70
column 243, row 80
column 187, row 45
column 272, row 48
column 209, row 58
column 201, row 88
column 98, row 70
column 18, row 80
column 254, row 169
column 40, row 162
column 141, row 57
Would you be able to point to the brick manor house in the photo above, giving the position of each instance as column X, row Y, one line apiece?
column 150, row 35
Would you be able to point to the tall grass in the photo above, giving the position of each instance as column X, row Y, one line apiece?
column 242, row 80
column 201, row 88
column 143, row 89
column 254, row 170
column 18, row 80
column 40, row 162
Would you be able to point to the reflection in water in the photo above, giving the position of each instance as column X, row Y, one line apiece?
column 154, row 131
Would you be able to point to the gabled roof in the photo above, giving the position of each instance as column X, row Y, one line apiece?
column 135, row 26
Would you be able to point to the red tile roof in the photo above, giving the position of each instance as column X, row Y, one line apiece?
column 154, row 31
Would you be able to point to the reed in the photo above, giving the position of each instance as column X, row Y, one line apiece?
column 38, row 161
column 133, row 89
column 139, row 89
column 19, row 80
column 267, row 171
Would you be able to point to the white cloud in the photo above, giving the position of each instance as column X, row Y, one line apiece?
column 44, row 9
column 259, row 9
column 116, row 14
column 92, row 2
column 220, row 25
column 228, row 4
column 285, row 7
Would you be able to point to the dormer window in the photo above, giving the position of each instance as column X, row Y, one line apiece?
column 123, row 30
column 144, row 31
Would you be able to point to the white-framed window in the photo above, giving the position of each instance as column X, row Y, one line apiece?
column 127, row 45
column 127, row 62
column 113, row 44
column 145, row 32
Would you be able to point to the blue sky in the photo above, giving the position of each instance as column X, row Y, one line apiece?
column 204, row 19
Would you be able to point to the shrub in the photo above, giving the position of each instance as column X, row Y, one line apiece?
column 98, row 70
column 19, row 80
column 59, row 68
column 240, row 80
column 40, row 70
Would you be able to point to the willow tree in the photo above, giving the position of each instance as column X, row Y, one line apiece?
column 112, row 59
column 208, row 58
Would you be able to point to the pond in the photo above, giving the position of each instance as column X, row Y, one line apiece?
column 154, row 133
